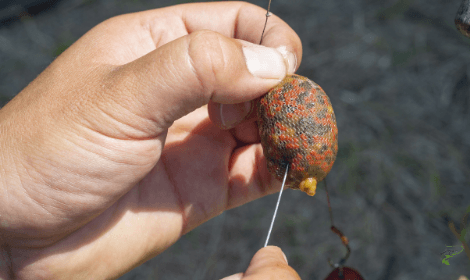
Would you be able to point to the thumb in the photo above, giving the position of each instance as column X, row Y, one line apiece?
column 204, row 66
column 268, row 263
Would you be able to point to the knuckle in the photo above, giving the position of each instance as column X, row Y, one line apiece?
column 208, row 57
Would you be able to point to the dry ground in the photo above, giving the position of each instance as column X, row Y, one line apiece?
column 398, row 75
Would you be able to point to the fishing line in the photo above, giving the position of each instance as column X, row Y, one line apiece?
column 334, row 229
column 277, row 150
column 277, row 206
column 268, row 14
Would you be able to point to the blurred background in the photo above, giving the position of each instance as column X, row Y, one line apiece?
column 398, row 75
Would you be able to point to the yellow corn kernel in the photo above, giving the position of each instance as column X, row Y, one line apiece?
column 309, row 186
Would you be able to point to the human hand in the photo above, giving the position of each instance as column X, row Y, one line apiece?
column 107, row 158
column 268, row 263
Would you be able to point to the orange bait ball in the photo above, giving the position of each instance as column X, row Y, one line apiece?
column 298, row 129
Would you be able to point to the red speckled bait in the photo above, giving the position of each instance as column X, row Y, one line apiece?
column 298, row 128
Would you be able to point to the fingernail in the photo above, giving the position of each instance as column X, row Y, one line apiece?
column 290, row 59
column 233, row 114
column 285, row 257
column 264, row 62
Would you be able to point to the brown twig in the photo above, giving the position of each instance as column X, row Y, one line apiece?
column 334, row 229
column 458, row 235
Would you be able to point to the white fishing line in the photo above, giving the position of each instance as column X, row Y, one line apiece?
column 277, row 206
column 268, row 14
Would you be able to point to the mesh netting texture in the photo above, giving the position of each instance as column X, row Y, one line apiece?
column 298, row 128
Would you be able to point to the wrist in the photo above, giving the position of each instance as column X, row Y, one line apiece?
column 6, row 271
column 14, row 197
column 7, row 176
